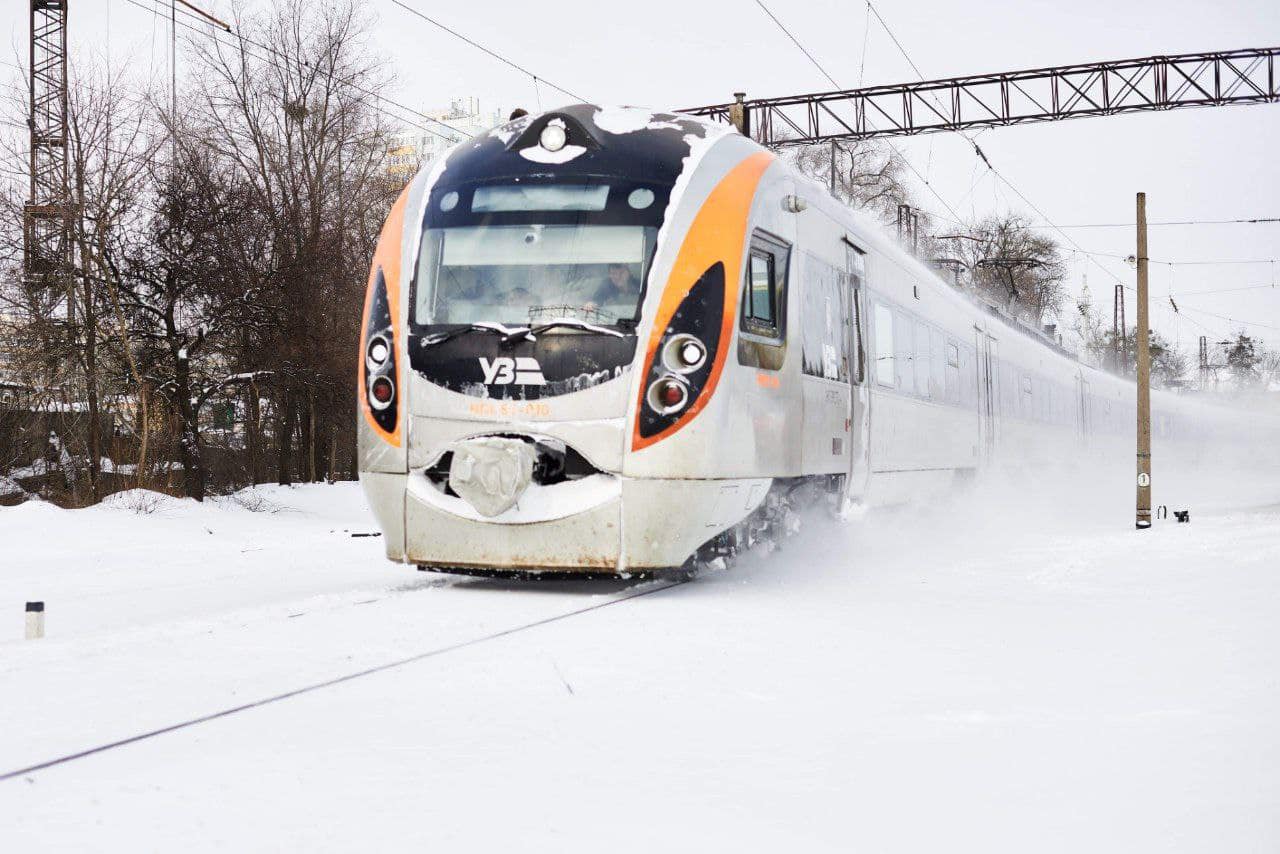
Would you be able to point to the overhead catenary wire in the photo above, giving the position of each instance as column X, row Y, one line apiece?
column 1235, row 320
column 824, row 73
column 1242, row 221
column 978, row 152
column 866, row 32
column 1194, row 262
column 796, row 42
column 1271, row 287
column 1090, row 256
column 486, row 50
column 204, row 29
column 457, row 135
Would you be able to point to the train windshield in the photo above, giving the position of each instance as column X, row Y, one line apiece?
column 528, row 253
column 520, row 274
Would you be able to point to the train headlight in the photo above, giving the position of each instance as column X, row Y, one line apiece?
column 378, row 352
column 684, row 354
column 381, row 392
column 553, row 137
column 669, row 394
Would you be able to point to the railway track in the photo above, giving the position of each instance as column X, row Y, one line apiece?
column 644, row 589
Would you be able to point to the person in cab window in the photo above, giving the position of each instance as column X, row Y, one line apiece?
column 517, row 296
column 619, row 288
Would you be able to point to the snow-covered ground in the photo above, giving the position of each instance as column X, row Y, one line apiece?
column 998, row 672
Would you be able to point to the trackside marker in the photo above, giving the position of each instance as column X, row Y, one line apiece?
column 35, row 620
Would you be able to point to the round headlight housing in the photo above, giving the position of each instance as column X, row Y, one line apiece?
column 553, row 137
column 381, row 392
column 378, row 353
column 668, row 394
column 684, row 354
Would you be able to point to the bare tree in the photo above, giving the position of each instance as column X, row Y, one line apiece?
column 1243, row 358
column 868, row 175
column 1269, row 366
column 290, row 108
column 1015, row 266
column 182, row 294
column 60, row 334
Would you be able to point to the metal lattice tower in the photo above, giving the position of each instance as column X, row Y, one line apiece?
column 47, row 219
column 1119, row 332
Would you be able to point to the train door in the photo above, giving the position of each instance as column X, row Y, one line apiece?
column 987, row 366
column 859, row 422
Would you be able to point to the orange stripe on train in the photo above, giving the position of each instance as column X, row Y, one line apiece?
column 718, row 233
column 387, row 257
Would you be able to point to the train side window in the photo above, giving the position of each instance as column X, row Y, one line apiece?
column 764, row 291
column 952, row 379
column 904, row 350
column 922, row 358
column 761, row 290
column 884, row 346
column 937, row 362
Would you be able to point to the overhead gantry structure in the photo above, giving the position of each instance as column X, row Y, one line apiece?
column 1217, row 79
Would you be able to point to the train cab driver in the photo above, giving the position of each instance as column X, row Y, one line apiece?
column 618, row 288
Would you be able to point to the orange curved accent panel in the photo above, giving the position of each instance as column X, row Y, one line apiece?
column 386, row 257
column 717, row 234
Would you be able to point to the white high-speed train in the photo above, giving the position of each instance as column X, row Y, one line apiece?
column 609, row 341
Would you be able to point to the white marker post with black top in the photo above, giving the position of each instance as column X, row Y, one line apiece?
column 35, row 620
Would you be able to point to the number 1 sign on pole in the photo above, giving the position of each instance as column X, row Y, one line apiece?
column 1144, row 376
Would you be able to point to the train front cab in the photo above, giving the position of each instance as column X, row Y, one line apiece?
column 618, row 449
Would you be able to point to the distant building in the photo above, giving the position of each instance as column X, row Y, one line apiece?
column 412, row 149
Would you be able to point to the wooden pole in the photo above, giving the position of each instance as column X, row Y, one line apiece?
column 738, row 114
column 1144, row 376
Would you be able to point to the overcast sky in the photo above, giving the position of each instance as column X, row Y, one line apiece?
column 1219, row 163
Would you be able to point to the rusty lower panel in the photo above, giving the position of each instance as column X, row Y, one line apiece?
column 556, row 573
column 588, row 541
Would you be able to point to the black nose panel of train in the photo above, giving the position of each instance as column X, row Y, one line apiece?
column 655, row 156
column 480, row 365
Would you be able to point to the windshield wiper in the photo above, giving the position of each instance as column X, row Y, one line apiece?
column 495, row 328
column 561, row 322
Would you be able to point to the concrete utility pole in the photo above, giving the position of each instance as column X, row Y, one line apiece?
column 1144, row 376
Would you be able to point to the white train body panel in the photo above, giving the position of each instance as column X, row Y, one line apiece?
column 830, row 355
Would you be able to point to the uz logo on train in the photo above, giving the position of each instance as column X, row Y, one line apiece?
column 522, row 370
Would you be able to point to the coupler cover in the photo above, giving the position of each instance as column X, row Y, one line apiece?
column 491, row 472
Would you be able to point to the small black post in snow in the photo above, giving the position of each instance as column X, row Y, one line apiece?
column 35, row 620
